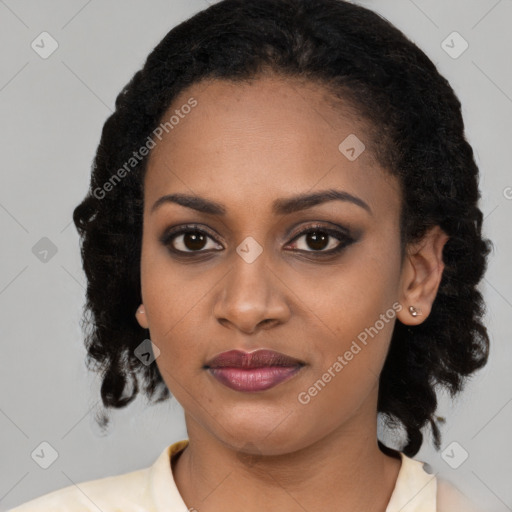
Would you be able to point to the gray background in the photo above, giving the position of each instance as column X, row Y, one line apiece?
column 52, row 112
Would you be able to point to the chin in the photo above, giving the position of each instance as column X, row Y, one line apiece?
column 261, row 437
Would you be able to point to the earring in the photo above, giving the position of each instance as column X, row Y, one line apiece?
column 413, row 311
column 141, row 319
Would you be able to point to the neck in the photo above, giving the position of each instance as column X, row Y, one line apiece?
column 344, row 470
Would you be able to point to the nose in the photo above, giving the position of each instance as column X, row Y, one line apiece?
column 252, row 297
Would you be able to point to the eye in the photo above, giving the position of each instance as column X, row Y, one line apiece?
column 322, row 240
column 189, row 239
column 319, row 238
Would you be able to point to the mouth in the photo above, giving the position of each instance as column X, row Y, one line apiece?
column 253, row 371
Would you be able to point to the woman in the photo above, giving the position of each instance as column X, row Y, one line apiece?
column 285, row 204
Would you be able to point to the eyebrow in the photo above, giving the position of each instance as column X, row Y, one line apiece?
column 283, row 206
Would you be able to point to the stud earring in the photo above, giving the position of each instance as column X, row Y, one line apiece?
column 413, row 311
column 140, row 310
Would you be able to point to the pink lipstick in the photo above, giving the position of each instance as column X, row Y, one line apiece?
column 253, row 371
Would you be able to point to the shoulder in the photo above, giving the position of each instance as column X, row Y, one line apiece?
column 119, row 492
column 419, row 488
column 450, row 498
column 150, row 489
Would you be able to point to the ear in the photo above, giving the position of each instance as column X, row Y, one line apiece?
column 141, row 317
column 421, row 275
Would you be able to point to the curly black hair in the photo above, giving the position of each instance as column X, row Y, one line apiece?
column 417, row 135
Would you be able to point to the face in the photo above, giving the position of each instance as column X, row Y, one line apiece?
column 316, row 281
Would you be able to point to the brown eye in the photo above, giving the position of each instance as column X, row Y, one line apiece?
column 317, row 240
column 189, row 240
column 322, row 240
column 194, row 240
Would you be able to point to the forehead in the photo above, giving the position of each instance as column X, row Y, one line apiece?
column 272, row 137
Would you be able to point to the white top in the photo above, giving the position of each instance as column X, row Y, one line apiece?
column 153, row 489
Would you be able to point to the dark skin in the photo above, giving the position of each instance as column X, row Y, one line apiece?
column 244, row 146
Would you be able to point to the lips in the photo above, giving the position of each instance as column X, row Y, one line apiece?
column 253, row 371
column 256, row 359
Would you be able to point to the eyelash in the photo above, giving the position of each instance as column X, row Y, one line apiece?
column 344, row 238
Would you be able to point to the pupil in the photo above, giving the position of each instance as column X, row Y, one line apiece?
column 194, row 241
column 316, row 241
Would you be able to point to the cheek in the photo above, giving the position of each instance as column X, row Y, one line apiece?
column 354, row 311
column 173, row 312
column 347, row 374
column 168, row 296
column 347, row 298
